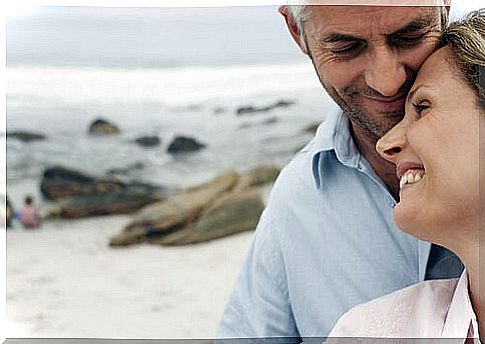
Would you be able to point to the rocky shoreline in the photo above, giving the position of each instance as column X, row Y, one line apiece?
column 230, row 203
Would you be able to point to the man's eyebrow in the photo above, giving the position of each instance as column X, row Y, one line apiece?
column 416, row 25
column 335, row 37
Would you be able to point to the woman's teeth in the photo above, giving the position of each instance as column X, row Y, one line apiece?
column 411, row 176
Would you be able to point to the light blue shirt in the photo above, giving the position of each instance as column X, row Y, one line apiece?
column 325, row 243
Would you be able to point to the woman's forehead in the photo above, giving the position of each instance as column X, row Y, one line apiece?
column 435, row 68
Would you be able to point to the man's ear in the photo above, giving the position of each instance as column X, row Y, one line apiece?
column 445, row 15
column 447, row 6
column 293, row 28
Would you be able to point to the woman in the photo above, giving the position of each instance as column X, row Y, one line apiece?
column 436, row 150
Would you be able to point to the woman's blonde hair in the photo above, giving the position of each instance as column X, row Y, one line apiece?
column 466, row 39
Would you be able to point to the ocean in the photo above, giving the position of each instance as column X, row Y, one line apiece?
column 163, row 72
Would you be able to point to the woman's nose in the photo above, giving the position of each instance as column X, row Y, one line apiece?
column 393, row 143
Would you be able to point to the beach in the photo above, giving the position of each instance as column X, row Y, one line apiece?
column 64, row 281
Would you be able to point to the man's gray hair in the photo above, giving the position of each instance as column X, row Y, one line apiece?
column 299, row 12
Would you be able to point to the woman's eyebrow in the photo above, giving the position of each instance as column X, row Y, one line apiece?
column 411, row 94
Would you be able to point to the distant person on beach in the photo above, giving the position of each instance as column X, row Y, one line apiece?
column 29, row 215
column 327, row 239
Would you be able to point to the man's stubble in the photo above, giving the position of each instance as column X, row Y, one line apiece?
column 354, row 112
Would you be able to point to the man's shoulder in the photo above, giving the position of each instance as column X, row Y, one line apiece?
column 297, row 175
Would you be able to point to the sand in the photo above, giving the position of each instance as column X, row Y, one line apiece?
column 63, row 280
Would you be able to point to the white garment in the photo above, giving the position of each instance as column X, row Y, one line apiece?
column 435, row 309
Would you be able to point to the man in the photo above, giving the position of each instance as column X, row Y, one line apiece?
column 326, row 241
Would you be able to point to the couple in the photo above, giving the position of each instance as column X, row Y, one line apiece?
column 436, row 151
column 327, row 240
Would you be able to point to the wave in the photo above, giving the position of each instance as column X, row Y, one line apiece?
column 170, row 86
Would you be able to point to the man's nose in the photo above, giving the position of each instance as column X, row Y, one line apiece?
column 385, row 74
column 393, row 143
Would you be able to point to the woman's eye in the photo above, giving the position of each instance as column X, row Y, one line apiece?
column 419, row 108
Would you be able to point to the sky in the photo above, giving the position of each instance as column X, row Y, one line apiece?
column 148, row 37
column 152, row 37
column 20, row 7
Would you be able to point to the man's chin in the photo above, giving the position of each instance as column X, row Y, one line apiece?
column 374, row 125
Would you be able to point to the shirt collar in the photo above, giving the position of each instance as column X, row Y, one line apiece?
column 461, row 317
column 333, row 136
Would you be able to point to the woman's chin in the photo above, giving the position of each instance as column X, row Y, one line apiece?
column 409, row 221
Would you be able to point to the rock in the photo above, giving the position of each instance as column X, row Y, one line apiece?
column 270, row 120
column 148, row 141
column 25, row 136
column 182, row 144
column 244, row 110
column 103, row 127
column 258, row 176
column 234, row 213
column 174, row 213
column 249, row 109
column 125, row 170
column 283, row 103
column 81, row 195
column 219, row 110
column 311, row 129
column 58, row 182
column 228, row 204
column 129, row 199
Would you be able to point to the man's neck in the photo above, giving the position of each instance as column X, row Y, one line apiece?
column 385, row 170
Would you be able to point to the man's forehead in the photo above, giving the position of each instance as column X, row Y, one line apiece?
column 372, row 2
column 366, row 21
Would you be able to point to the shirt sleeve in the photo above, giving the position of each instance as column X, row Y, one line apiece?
column 259, row 304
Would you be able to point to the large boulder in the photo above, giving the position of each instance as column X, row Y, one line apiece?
column 311, row 129
column 234, row 213
column 183, row 144
column 25, row 136
column 103, row 127
column 257, row 176
column 122, row 172
column 80, row 195
column 127, row 200
column 148, row 141
column 58, row 182
column 228, row 204
column 174, row 213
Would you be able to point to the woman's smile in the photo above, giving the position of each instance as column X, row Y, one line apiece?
column 411, row 176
